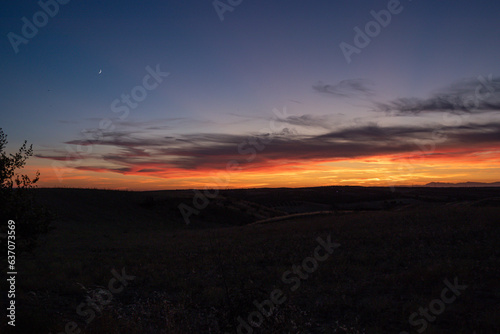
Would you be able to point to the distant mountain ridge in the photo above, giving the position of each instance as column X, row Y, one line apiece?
column 463, row 184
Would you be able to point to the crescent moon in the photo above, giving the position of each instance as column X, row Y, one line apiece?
column 100, row 71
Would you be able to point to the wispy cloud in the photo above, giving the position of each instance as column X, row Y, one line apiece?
column 359, row 88
column 467, row 96
column 168, row 155
column 153, row 148
column 312, row 121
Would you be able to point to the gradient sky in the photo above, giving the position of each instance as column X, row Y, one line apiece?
column 263, row 98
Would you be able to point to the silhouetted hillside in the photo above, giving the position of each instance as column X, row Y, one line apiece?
column 463, row 184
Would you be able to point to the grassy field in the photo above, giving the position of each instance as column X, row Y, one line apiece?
column 208, row 276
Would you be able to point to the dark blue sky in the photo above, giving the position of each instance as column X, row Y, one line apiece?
column 227, row 76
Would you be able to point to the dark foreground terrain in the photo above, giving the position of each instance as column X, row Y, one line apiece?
column 254, row 261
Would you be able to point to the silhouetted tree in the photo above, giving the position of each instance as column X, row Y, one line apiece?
column 17, row 201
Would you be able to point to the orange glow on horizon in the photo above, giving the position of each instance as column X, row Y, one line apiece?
column 391, row 170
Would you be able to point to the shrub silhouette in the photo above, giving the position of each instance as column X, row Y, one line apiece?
column 17, row 200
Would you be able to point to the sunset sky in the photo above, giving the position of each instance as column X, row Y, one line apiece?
column 188, row 94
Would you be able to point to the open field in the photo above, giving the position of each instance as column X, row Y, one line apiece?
column 396, row 253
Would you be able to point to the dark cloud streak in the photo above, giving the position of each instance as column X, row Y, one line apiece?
column 346, row 88
column 467, row 96
column 213, row 151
